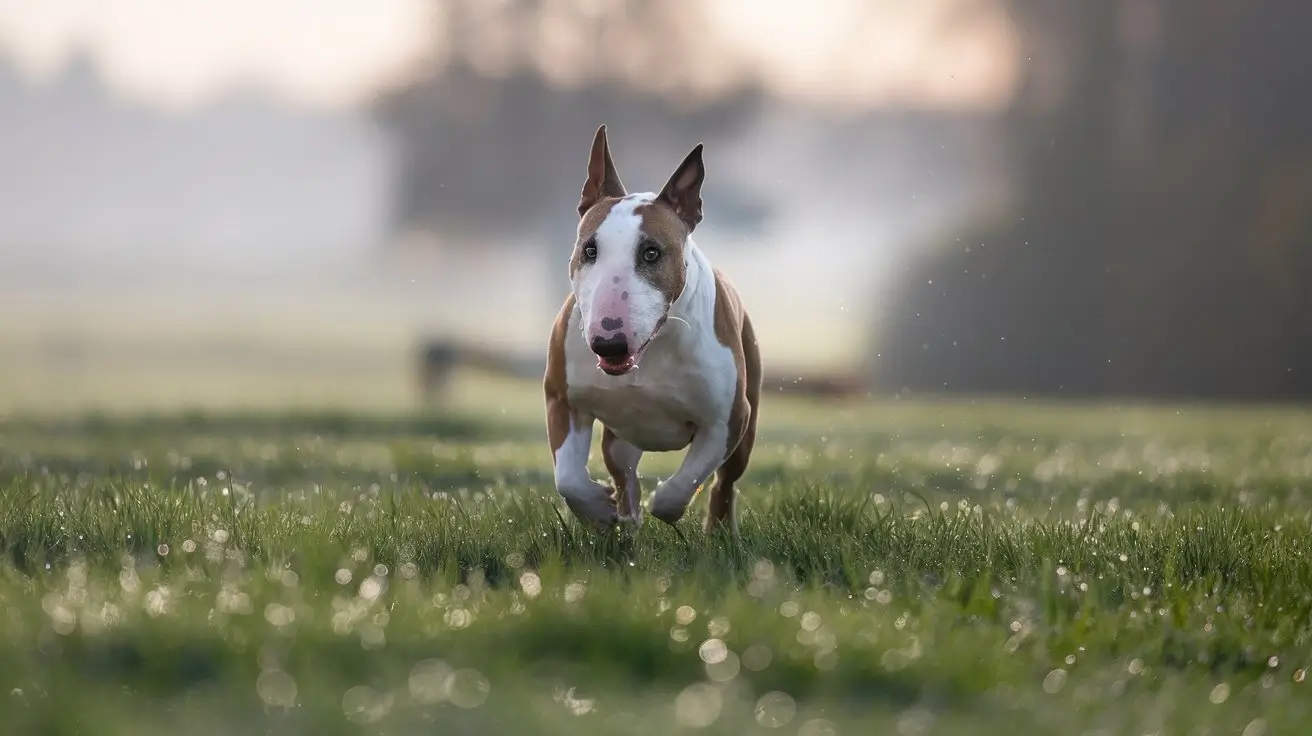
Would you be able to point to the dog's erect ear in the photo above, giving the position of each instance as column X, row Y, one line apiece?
column 683, row 192
column 603, row 180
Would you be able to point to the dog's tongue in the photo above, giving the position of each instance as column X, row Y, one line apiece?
column 620, row 365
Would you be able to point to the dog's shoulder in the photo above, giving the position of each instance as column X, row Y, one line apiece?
column 554, row 380
column 733, row 329
column 729, row 313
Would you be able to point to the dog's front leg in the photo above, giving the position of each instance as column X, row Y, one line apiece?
column 705, row 453
column 571, row 440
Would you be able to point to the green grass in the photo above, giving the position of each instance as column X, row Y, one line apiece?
column 909, row 568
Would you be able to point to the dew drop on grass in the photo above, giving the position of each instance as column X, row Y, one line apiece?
column 718, row 626
column 1255, row 727
column 277, row 688
column 685, row 615
column 469, row 688
column 279, row 615
column 1219, row 694
column 1054, row 682
column 363, row 704
column 531, row 584
column 343, row 576
column 825, row 660
column 430, row 681
column 698, row 705
column 775, row 709
column 818, row 727
column 810, row 621
column 712, row 651
column 725, row 669
column 1300, row 674
column 371, row 588
column 757, row 657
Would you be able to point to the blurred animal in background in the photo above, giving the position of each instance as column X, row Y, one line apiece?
column 438, row 359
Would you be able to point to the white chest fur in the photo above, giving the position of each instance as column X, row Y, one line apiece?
column 687, row 379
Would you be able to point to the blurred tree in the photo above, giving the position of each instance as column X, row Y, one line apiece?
column 1161, row 240
column 494, row 132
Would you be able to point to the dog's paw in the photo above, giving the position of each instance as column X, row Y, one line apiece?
column 596, row 508
column 633, row 520
column 668, row 505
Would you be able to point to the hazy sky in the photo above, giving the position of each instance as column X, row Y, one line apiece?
column 334, row 52
column 185, row 51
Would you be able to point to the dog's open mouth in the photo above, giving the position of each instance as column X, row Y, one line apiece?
column 620, row 366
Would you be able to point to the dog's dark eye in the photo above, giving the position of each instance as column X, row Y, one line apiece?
column 651, row 254
column 590, row 253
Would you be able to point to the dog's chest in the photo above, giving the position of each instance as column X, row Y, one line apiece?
column 658, row 406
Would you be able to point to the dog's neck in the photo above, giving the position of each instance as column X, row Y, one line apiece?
column 694, row 309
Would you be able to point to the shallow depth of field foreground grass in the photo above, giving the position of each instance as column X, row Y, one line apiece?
column 904, row 568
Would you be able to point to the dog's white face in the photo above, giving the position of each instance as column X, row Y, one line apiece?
column 629, row 261
column 626, row 274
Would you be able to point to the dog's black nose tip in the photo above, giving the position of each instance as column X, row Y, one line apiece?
column 615, row 346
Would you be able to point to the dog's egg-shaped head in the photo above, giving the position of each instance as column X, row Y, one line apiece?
column 630, row 259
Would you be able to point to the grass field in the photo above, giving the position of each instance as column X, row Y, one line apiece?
column 907, row 568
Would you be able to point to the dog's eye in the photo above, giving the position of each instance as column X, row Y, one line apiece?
column 590, row 253
column 651, row 254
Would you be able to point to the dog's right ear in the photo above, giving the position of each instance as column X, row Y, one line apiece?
column 603, row 181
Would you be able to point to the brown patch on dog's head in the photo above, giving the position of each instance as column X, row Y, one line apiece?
column 603, row 179
column 588, row 225
column 668, row 221
column 664, row 231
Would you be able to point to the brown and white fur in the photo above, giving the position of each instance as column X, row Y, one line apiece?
column 654, row 342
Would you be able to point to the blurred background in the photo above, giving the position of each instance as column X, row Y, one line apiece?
column 333, row 202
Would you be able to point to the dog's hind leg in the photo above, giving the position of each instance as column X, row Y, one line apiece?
column 721, row 507
column 622, row 463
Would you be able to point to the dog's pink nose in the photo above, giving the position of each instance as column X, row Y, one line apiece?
column 609, row 330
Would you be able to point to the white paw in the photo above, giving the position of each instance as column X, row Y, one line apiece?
column 593, row 505
column 669, row 503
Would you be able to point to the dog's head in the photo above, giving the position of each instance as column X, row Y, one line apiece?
column 630, row 262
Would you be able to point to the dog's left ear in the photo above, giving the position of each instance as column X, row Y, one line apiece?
column 683, row 192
